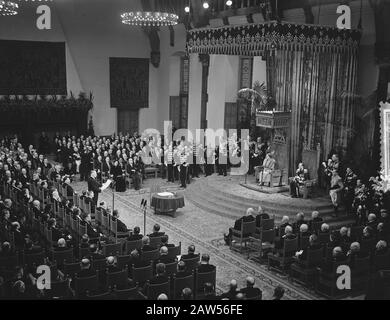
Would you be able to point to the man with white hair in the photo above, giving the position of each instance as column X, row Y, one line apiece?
column 251, row 291
column 36, row 208
column 232, row 293
column 372, row 221
column 249, row 217
column 261, row 215
column 304, row 230
column 355, row 253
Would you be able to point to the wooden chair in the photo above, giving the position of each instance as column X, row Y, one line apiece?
column 379, row 262
column 106, row 224
column 61, row 256
column 290, row 246
column 34, row 258
column 367, row 245
column 99, row 216
column 180, row 283
column 265, row 241
column 114, row 229
column 306, row 270
column 74, row 226
column 112, row 249
column 360, row 274
column 141, row 275
column 82, row 285
column 323, row 238
column 266, row 224
column 84, row 252
column 170, row 269
column 303, row 242
column 82, row 229
column 192, row 263
column 326, row 283
column 201, row 279
column 154, row 290
column 116, row 278
column 315, row 227
column 150, row 255
column 357, row 233
column 122, row 261
column 173, row 252
column 242, row 236
column 126, row 294
column 99, row 265
column 10, row 263
column 71, row 269
column 155, row 242
column 132, row 245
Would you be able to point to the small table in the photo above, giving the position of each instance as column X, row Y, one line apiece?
column 167, row 205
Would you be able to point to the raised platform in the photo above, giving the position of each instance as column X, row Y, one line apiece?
column 225, row 196
column 264, row 189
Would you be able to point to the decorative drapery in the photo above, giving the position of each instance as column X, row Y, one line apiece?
column 311, row 70
column 254, row 39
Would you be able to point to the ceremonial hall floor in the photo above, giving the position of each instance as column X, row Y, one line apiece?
column 204, row 229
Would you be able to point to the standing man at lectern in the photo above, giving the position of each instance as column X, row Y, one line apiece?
column 95, row 186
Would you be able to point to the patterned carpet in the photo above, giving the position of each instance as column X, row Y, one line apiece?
column 192, row 225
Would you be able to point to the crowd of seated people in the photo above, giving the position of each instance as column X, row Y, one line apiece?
column 26, row 216
column 369, row 238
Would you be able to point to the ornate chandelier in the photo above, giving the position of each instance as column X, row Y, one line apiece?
column 8, row 8
column 149, row 19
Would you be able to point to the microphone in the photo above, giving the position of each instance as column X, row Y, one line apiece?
column 146, row 202
column 142, row 202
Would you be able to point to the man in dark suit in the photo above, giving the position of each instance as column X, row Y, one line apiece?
column 121, row 227
column 95, row 186
column 160, row 276
column 95, row 253
column 86, row 269
column 135, row 235
column 300, row 219
column 164, row 242
column 191, row 253
column 146, row 244
column 250, row 291
column 313, row 245
column 249, row 217
column 232, row 293
column 182, row 270
column 156, row 231
column 164, row 258
column 355, row 253
column 205, row 266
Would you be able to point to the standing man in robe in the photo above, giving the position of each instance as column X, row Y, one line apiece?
column 95, row 186
column 336, row 186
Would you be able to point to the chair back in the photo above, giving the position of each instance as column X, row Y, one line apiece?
column 180, row 283
column 106, row 222
column 60, row 256
column 361, row 266
column 11, row 262
column 267, row 224
column 82, row 285
column 155, row 242
column 122, row 261
column 68, row 219
column 82, row 229
column 170, row 269
column 150, row 255
column 99, row 265
column 314, row 257
column 74, row 225
column 154, row 290
column 70, row 269
column 367, row 245
column 131, row 245
column 205, row 277
column 248, row 227
column 116, row 278
column 316, row 226
column 99, row 216
column 126, row 294
column 381, row 261
column 34, row 258
column 267, row 236
column 323, row 238
column 112, row 249
column 173, row 252
column 357, row 232
column 141, row 275
column 192, row 263
column 84, row 252
column 113, row 226
column 303, row 242
column 290, row 245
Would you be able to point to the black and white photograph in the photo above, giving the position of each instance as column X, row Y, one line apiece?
column 203, row 150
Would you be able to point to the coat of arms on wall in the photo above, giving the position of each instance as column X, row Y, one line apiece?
column 129, row 83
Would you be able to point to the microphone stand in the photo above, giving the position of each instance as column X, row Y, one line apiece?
column 144, row 204
column 113, row 194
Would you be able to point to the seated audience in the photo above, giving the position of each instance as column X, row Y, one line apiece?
column 205, row 266
column 251, row 291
